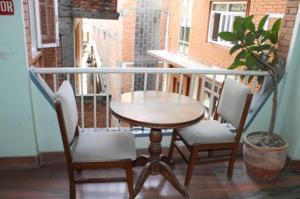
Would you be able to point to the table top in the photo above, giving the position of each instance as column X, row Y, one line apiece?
column 157, row 109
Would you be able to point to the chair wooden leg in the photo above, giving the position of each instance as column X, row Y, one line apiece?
column 129, row 175
column 72, row 184
column 191, row 165
column 172, row 146
column 231, row 164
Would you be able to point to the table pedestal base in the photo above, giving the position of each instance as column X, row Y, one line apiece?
column 156, row 164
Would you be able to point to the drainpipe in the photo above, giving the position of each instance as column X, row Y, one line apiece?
column 165, row 76
column 167, row 26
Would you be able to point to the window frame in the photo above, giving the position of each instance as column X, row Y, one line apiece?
column 185, row 22
column 37, row 23
column 33, row 27
column 228, row 14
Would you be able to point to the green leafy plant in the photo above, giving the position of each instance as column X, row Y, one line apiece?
column 256, row 49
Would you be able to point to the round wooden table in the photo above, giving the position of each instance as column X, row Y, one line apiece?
column 157, row 110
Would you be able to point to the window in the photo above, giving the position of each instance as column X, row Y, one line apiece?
column 33, row 27
column 272, row 18
column 185, row 26
column 43, row 15
column 222, row 17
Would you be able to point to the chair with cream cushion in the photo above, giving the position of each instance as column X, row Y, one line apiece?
column 91, row 149
column 212, row 135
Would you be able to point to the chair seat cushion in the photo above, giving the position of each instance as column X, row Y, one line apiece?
column 207, row 132
column 93, row 146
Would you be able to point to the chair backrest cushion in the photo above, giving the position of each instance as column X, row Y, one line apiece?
column 66, row 97
column 232, row 101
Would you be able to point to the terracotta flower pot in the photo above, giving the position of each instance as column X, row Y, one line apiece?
column 264, row 163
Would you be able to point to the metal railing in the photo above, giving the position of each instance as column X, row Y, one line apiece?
column 202, row 84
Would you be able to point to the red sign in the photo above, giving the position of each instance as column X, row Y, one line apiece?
column 7, row 7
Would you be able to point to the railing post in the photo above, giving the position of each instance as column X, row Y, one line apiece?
column 132, row 85
column 169, row 77
column 192, row 86
column 95, row 100
column 202, row 89
column 157, row 82
column 120, row 85
column 212, row 95
column 55, row 82
column 107, row 105
column 82, row 101
column 145, row 81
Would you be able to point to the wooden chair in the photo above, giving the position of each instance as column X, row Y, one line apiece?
column 91, row 149
column 212, row 135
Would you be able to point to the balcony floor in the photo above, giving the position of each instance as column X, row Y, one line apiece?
column 208, row 182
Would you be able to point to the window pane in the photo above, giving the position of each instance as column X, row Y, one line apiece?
column 233, row 18
column 214, row 106
column 181, row 48
column 229, row 18
column 187, row 34
column 219, row 7
column 215, row 26
column 48, row 23
column 208, row 85
column 237, row 7
column 186, row 49
column 224, row 17
column 181, row 33
column 33, row 30
column 206, row 101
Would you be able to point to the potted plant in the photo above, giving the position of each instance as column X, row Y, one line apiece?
column 256, row 49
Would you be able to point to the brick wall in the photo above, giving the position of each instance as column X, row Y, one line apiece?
column 52, row 57
column 213, row 54
column 259, row 8
column 89, row 112
column 27, row 30
column 287, row 27
column 95, row 5
column 46, row 57
column 200, row 50
column 127, row 23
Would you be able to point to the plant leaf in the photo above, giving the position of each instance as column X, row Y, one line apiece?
column 276, row 26
column 274, row 37
column 264, row 47
column 251, row 26
column 251, row 62
column 262, row 22
column 235, row 48
column 265, row 36
column 241, row 55
column 248, row 23
column 250, row 37
column 238, row 23
column 236, row 64
column 241, row 34
column 228, row 36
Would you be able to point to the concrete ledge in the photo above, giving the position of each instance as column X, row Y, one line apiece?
column 79, row 13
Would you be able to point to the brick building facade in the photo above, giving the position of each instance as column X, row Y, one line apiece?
column 203, row 50
column 288, row 24
column 41, row 54
column 118, row 43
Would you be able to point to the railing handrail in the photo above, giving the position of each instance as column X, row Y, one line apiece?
column 72, row 70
